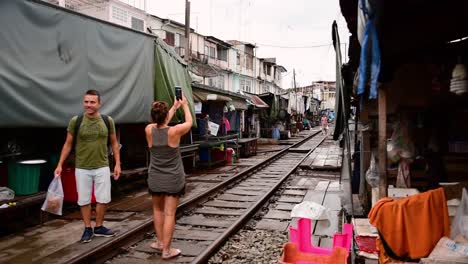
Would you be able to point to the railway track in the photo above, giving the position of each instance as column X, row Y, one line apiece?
column 206, row 221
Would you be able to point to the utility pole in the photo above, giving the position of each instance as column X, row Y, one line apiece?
column 294, row 79
column 187, row 30
column 295, row 93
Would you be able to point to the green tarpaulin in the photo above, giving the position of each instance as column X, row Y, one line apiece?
column 170, row 71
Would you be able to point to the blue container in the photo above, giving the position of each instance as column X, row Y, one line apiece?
column 204, row 154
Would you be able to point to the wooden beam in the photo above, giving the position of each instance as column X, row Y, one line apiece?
column 382, row 141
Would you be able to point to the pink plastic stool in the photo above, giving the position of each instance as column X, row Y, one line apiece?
column 301, row 236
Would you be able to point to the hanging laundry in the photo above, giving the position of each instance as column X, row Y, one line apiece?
column 370, row 54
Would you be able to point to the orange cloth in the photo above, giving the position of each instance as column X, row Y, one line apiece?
column 412, row 226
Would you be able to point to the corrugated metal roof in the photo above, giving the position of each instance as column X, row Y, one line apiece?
column 200, row 96
column 257, row 101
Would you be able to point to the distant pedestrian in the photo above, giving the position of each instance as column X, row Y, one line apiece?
column 90, row 140
column 166, row 176
column 324, row 124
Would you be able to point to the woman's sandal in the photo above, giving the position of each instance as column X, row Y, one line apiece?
column 172, row 253
column 157, row 245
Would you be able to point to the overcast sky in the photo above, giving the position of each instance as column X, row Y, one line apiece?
column 277, row 27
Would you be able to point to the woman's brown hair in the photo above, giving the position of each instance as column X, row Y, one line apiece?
column 159, row 112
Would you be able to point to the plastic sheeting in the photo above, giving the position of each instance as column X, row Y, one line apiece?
column 342, row 99
column 169, row 72
column 49, row 57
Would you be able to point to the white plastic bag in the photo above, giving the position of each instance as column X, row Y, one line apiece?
column 54, row 200
column 6, row 193
column 372, row 174
column 311, row 210
column 459, row 226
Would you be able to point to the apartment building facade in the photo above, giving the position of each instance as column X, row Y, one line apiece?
column 227, row 65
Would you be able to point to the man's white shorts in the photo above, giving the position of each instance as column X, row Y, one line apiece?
column 102, row 185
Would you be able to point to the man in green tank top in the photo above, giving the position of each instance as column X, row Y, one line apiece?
column 89, row 134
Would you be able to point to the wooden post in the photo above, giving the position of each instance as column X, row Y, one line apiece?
column 382, row 141
column 365, row 189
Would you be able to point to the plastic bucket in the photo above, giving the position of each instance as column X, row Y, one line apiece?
column 23, row 176
column 204, row 154
column 230, row 159
column 70, row 194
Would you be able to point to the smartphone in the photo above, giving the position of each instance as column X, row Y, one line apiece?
column 178, row 93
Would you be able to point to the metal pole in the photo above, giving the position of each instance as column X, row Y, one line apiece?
column 187, row 30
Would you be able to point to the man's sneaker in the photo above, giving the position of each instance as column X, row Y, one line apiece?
column 87, row 235
column 103, row 231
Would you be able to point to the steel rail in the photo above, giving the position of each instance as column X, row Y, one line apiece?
column 239, row 223
column 111, row 248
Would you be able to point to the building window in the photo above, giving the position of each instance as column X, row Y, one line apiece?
column 222, row 53
column 182, row 40
column 265, row 88
column 137, row 24
column 220, row 82
column 212, row 52
column 238, row 58
column 246, row 85
column 170, row 39
column 268, row 70
column 119, row 15
column 249, row 62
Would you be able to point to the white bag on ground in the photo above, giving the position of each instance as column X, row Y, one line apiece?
column 459, row 226
column 54, row 200
column 6, row 193
column 311, row 210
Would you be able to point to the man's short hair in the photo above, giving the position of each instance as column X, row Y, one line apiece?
column 94, row 92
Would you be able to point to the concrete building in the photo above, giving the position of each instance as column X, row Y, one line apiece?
column 227, row 65
column 113, row 11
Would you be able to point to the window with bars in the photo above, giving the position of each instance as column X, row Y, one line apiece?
column 119, row 15
column 137, row 24
column 246, row 85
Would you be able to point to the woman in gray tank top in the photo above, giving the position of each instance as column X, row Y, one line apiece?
column 166, row 176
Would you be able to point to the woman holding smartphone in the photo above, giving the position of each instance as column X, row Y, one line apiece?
column 166, row 176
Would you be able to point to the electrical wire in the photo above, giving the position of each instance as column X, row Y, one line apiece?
column 296, row 47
